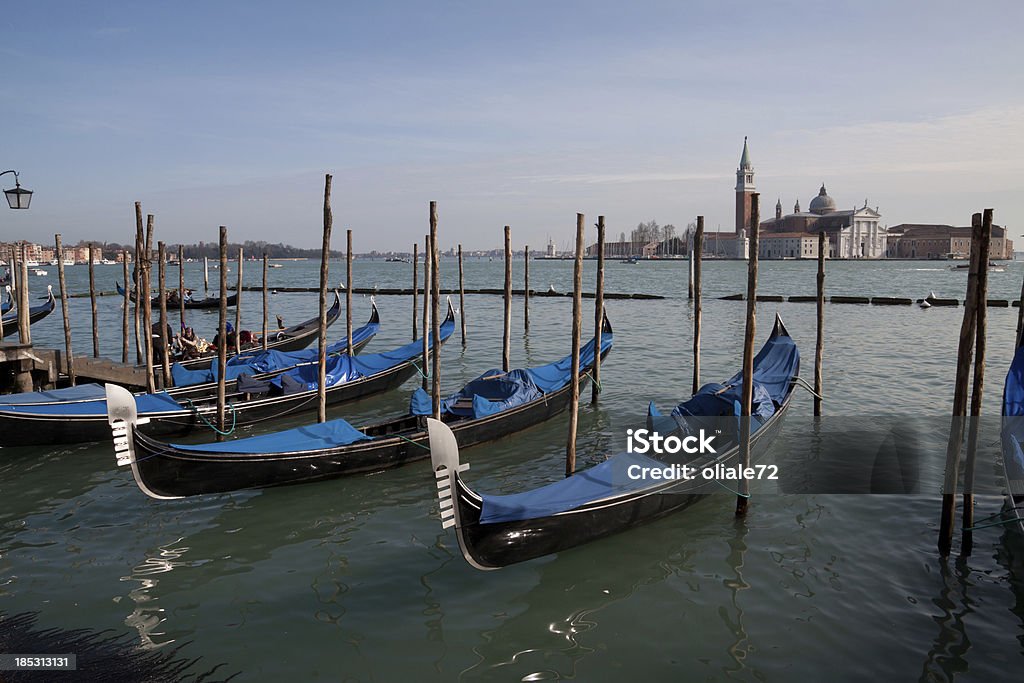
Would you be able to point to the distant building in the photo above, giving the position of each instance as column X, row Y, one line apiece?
column 929, row 241
column 853, row 233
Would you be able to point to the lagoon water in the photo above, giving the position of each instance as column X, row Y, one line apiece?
column 354, row 579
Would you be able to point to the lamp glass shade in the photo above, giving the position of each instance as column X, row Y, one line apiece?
column 18, row 198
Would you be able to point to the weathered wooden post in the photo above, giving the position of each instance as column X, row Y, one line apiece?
column 819, row 345
column 68, row 355
column 965, row 352
column 222, row 336
column 126, row 309
column 748, row 355
column 348, row 292
column 24, row 320
column 689, row 269
column 426, row 308
column 206, row 276
column 238, row 304
column 435, row 302
column 462, row 299
column 577, row 324
column 92, row 302
column 415, row 289
column 978, row 390
column 595, row 386
column 325, row 255
column 526, row 288
column 147, row 303
column 506, row 345
column 697, row 254
column 165, row 342
column 266, row 309
column 181, row 287
column 136, row 288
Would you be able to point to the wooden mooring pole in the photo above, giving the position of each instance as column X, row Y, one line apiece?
column 165, row 341
column 689, row 269
column 125, row 309
column 222, row 335
column 819, row 344
column 965, row 352
column 135, row 289
column 577, row 324
column 24, row 320
column 748, row 355
column 462, row 300
column 147, row 302
column 181, row 288
column 506, row 343
column 238, row 303
column 595, row 385
column 426, row 311
column 92, row 302
column 415, row 289
column 698, row 310
column 348, row 292
column 978, row 389
column 435, row 317
column 69, row 356
column 266, row 308
column 526, row 289
column 206, row 276
column 325, row 255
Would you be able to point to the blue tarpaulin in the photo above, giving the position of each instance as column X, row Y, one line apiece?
column 82, row 392
column 1013, row 420
column 306, row 438
column 256, row 362
column 145, row 403
column 495, row 391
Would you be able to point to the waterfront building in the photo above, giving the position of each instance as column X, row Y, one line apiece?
column 931, row 241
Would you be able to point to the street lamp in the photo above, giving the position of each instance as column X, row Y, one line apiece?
column 17, row 197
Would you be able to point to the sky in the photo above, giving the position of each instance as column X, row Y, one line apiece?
column 230, row 113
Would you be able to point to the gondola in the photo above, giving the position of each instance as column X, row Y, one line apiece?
column 1012, row 438
column 201, row 384
column 492, row 406
column 8, row 304
column 191, row 304
column 290, row 393
column 35, row 314
column 292, row 338
column 494, row 531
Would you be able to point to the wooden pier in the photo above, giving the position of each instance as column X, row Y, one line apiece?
column 26, row 368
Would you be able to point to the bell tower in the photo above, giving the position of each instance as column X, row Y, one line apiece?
column 744, row 189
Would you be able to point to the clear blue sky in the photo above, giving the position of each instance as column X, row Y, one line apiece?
column 522, row 113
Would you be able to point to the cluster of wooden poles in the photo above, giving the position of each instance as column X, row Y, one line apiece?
column 973, row 329
column 19, row 286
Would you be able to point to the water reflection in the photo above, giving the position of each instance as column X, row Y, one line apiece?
column 146, row 617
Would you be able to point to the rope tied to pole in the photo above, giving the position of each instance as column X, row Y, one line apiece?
column 1001, row 522
column 803, row 384
column 234, row 418
column 415, row 365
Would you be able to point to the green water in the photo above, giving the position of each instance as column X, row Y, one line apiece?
column 354, row 579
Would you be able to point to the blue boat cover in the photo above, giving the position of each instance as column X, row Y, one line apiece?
column 300, row 439
column 260, row 361
column 495, row 391
column 345, row 368
column 607, row 479
column 146, row 403
column 774, row 367
column 83, row 392
column 1013, row 420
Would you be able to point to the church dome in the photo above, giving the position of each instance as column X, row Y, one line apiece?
column 822, row 204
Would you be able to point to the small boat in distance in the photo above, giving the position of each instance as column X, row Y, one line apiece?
column 38, row 271
column 631, row 259
column 274, row 265
column 397, row 259
column 993, row 267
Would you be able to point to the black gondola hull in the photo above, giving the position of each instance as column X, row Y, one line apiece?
column 495, row 545
column 170, row 472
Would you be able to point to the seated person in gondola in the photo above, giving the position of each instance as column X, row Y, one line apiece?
column 189, row 344
column 232, row 339
column 188, row 296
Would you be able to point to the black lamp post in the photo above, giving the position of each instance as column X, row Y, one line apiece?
column 17, row 197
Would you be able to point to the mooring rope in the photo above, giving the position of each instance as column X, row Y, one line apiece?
column 234, row 419
column 413, row 362
column 999, row 523
column 802, row 383
column 412, row 442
